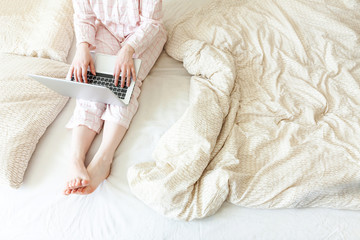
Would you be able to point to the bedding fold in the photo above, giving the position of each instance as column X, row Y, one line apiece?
column 27, row 108
column 273, row 119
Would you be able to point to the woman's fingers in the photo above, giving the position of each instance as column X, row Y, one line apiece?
column 127, row 71
column 79, row 73
column 84, row 73
column 128, row 79
column 82, row 60
column 133, row 73
column 116, row 76
column 70, row 73
column 75, row 75
column 123, row 76
column 92, row 67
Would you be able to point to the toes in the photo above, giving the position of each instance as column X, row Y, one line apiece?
column 80, row 190
column 72, row 185
column 75, row 183
column 84, row 182
column 78, row 182
column 67, row 191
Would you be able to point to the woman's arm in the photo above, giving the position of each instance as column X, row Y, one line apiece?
column 84, row 22
column 85, row 30
column 150, row 25
column 139, row 41
column 125, row 65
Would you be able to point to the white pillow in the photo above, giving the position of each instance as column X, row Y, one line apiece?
column 173, row 10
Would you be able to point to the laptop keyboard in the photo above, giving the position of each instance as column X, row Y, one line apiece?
column 106, row 80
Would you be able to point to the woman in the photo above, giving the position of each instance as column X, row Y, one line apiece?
column 127, row 29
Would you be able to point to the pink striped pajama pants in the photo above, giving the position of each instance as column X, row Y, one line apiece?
column 93, row 114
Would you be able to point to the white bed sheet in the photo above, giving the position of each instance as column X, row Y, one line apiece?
column 39, row 210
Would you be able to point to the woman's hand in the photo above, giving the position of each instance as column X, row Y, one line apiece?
column 80, row 63
column 125, row 65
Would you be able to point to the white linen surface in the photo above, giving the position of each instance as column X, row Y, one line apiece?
column 38, row 210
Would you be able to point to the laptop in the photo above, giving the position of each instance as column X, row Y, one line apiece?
column 100, row 88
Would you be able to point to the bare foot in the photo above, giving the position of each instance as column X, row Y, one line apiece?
column 79, row 177
column 99, row 170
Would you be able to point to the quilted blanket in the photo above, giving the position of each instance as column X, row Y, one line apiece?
column 274, row 113
column 27, row 108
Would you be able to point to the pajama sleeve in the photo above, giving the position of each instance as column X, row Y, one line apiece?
column 150, row 26
column 84, row 22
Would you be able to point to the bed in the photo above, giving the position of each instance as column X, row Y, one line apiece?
column 122, row 209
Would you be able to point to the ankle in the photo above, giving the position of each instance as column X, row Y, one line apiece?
column 77, row 157
column 104, row 156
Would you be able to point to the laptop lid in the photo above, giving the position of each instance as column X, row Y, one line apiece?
column 103, row 64
column 106, row 63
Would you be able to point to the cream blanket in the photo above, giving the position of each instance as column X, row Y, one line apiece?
column 274, row 114
column 27, row 108
column 38, row 28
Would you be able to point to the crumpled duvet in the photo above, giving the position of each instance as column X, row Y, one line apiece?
column 274, row 113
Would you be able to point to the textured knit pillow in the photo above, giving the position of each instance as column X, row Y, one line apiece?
column 27, row 108
column 38, row 28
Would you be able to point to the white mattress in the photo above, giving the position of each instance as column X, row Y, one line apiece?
column 39, row 210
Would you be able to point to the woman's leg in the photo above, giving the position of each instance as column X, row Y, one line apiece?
column 116, row 121
column 99, row 167
column 82, row 137
column 86, row 122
